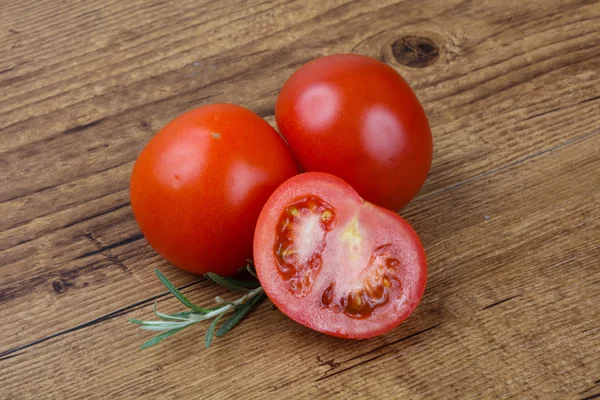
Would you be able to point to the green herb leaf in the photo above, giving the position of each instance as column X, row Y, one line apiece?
column 167, row 317
column 159, row 338
column 182, row 314
column 173, row 323
column 239, row 314
column 178, row 295
column 211, row 331
column 251, row 270
column 233, row 284
column 165, row 325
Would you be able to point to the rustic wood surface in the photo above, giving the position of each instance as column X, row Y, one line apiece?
column 509, row 216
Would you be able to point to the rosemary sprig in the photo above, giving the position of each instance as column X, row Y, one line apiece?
column 170, row 324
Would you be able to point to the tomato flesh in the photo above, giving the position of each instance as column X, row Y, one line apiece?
column 334, row 262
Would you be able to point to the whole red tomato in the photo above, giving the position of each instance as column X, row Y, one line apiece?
column 198, row 186
column 334, row 262
column 355, row 117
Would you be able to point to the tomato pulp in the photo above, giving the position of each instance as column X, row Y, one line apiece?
column 198, row 186
column 334, row 262
column 355, row 117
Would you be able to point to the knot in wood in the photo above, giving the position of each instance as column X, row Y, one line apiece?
column 59, row 286
column 415, row 51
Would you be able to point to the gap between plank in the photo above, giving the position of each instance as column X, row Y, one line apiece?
column 5, row 355
column 374, row 350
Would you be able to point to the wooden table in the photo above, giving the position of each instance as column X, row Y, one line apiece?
column 510, row 214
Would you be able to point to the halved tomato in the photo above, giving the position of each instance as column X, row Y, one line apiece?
column 334, row 262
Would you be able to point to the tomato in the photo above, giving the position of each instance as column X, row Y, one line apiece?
column 334, row 262
column 198, row 186
column 355, row 117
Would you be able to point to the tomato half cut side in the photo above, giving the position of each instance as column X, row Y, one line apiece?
column 336, row 263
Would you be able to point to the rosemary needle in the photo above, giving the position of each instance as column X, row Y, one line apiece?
column 169, row 324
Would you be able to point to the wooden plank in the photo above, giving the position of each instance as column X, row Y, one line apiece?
column 508, row 84
column 510, row 311
column 84, row 86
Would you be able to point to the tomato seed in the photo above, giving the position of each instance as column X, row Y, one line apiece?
column 327, row 296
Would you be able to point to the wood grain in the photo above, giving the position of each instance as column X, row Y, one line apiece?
column 508, row 216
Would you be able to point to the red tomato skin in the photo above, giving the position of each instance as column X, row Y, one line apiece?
column 198, row 186
column 356, row 118
column 338, row 193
